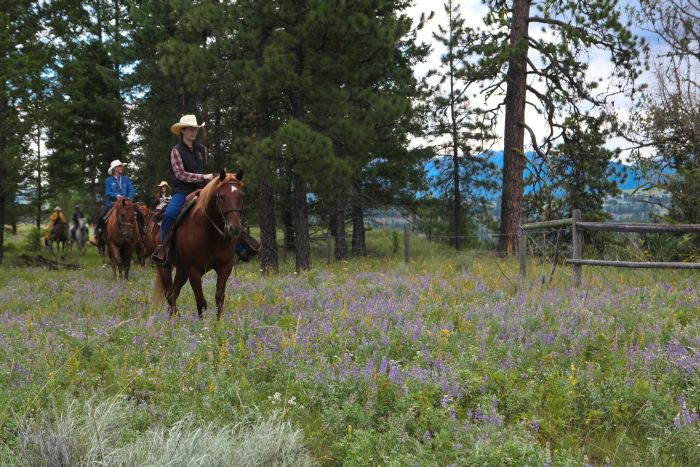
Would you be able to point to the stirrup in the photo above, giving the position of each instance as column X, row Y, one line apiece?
column 156, row 258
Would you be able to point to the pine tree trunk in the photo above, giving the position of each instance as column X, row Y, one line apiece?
column 340, row 250
column 301, row 211
column 359, row 246
column 3, row 198
column 268, row 233
column 514, row 132
column 289, row 235
column 39, row 172
column 455, row 145
column 269, row 263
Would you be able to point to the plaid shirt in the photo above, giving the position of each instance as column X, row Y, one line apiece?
column 179, row 170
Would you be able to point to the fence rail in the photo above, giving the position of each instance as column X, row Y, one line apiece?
column 577, row 226
column 634, row 264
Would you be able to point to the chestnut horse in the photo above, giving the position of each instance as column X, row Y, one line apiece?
column 58, row 236
column 145, row 212
column 121, row 236
column 205, row 239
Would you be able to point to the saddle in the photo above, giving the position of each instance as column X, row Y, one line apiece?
column 162, row 206
column 247, row 246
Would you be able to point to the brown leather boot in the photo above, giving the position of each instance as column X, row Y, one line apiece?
column 162, row 256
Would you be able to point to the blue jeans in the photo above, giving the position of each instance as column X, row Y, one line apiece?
column 171, row 213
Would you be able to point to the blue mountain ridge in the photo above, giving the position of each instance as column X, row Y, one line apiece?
column 624, row 175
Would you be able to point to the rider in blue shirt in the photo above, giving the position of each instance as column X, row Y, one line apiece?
column 117, row 186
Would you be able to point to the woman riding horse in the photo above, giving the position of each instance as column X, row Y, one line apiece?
column 188, row 169
column 57, row 218
column 205, row 240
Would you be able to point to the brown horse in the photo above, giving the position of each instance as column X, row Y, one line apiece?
column 144, row 212
column 58, row 236
column 205, row 239
column 121, row 236
column 151, row 238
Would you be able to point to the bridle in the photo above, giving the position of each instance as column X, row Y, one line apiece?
column 121, row 224
column 234, row 186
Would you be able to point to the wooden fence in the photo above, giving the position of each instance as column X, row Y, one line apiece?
column 577, row 226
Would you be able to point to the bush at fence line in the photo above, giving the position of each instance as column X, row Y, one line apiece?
column 395, row 244
column 668, row 247
column 33, row 239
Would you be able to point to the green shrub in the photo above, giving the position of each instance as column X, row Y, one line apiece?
column 33, row 239
column 395, row 243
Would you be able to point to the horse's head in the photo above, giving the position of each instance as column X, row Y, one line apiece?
column 229, row 199
column 226, row 194
column 124, row 213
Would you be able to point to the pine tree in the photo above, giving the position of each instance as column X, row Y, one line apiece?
column 21, row 57
column 582, row 170
column 85, row 119
column 458, row 127
column 668, row 118
column 558, row 61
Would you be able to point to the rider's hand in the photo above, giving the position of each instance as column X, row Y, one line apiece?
column 120, row 197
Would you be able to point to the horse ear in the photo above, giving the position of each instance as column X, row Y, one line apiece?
column 222, row 175
column 239, row 175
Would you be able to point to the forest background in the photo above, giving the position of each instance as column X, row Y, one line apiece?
column 334, row 108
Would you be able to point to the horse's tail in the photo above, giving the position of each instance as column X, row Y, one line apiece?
column 162, row 284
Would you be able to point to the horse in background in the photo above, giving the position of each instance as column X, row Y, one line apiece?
column 121, row 237
column 151, row 236
column 80, row 237
column 58, row 236
column 205, row 239
column 143, row 215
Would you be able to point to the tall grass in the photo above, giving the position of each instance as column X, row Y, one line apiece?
column 101, row 434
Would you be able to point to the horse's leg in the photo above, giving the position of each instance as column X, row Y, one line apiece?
column 174, row 292
column 126, row 258
column 113, row 252
column 196, row 284
column 222, row 276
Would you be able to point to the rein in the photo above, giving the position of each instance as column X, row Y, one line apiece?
column 222, row 212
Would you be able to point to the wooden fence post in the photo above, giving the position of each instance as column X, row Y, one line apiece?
column 522, row 252
column 406, row 256
column 576, row 249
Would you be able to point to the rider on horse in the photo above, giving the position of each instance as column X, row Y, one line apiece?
column 56, row 218
column 165, row 193
column 77, row 215
column 188, row 169
column 117, row 186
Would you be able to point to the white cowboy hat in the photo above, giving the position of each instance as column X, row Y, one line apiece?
column 57, row 208
column 115, row 163
column 185, row 121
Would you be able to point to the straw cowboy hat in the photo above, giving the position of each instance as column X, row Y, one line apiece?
column 185, row 121
column 115, row 163
column 163, row 183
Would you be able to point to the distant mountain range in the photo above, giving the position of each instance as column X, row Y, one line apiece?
column 625, row 175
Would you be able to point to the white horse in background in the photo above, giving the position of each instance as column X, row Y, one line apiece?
column 80, row 237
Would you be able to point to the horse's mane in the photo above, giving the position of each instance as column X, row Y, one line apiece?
column 209, row 192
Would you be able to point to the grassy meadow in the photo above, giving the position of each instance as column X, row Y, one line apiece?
column 445, row 361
